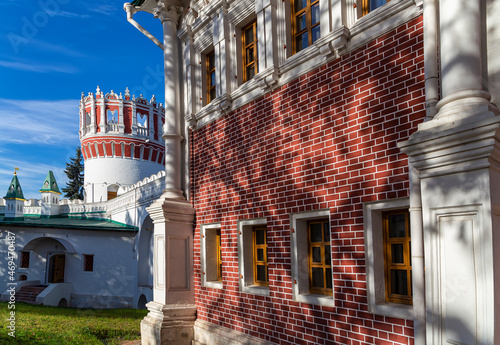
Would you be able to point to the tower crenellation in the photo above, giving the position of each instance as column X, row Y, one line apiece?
column 121, row 139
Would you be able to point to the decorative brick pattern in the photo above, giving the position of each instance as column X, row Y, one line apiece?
column 326, row 140
column 108, row 143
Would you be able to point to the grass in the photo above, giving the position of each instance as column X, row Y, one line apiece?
column 37, row 325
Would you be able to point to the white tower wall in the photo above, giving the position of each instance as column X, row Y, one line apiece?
column 122, row 142
column 103, row 173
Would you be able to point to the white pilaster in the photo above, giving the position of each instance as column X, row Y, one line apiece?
column 134, row 118
column 92, row 115
column 102, row 122
column 267, row 43
column 222, row 74
column 121, row 124
column 151, row 121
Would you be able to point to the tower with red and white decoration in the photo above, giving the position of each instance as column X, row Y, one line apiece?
column 121, row 140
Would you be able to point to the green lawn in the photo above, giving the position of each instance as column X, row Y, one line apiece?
column 36, row 325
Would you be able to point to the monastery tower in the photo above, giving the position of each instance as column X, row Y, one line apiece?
column 121, row 139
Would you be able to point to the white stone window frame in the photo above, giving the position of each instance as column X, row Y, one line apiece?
column 381, row 20
column 336, row 40
column 239, row 16
column 245, row 256
column 374, row 258
column 208, row 266
column 300, row 261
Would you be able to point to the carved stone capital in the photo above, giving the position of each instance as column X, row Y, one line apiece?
column 167, row 12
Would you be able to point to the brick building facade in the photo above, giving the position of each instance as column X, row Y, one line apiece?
column 325, row 141
column 319, row 155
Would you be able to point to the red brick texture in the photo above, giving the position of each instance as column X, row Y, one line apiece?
column 325, row 140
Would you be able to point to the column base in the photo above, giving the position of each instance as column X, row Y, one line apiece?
column 168, row 324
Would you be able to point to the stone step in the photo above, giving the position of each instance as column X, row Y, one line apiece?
column 28, row 294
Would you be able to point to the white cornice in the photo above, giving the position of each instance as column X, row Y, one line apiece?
column 239, row 10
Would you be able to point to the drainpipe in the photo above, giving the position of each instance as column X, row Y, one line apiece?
column 430, row 58
column 130, row 9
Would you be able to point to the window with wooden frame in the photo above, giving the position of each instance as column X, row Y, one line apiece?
column 250, row 51
column 88, row 263
column 218, row 241
column 211, row 83
column 211, row 255
column 260, row 269
column 320, row 257
column 370, row 5
column 25, row 259
column 305, row 23
column 397, row 257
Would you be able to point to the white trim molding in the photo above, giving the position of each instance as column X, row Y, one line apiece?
column 374, row 252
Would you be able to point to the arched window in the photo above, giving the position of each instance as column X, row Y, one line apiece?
column 142, row 124
column 111, row 117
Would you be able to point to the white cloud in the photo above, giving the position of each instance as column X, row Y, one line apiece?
column 67, row 14
column 56, row 48
column 39, row 122
column 33, row 67
column 105, row 9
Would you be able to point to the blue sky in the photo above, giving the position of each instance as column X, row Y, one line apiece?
column 50, row 52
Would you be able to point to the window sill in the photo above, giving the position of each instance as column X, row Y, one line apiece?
column 213, row 285
column 322, row 300
column 256, row 290
column 402, row 311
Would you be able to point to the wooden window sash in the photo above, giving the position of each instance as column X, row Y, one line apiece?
column 218, row 241
column 263, row 263
column 210, row 70
column 248, row 45
column 309, row 27
column 391, row 296
column 366, row 6
column 323, row 265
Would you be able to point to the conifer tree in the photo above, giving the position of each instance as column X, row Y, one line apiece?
column 74, row 171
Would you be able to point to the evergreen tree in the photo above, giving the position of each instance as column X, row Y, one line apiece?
column 74, row 171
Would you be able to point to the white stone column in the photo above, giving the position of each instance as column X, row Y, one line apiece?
column 456, row 156
column 169, row 16
column 464, row 88
column 172, row 312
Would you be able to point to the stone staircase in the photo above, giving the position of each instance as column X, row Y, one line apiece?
column 28, row 294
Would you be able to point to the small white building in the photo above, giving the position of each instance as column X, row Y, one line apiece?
column 96, row 253
column 84, row 255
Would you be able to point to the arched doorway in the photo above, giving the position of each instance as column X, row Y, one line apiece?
column 113, row 191
column 56, row 268
column 48, row 259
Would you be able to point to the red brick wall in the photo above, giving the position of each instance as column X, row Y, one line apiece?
column 325, row 140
